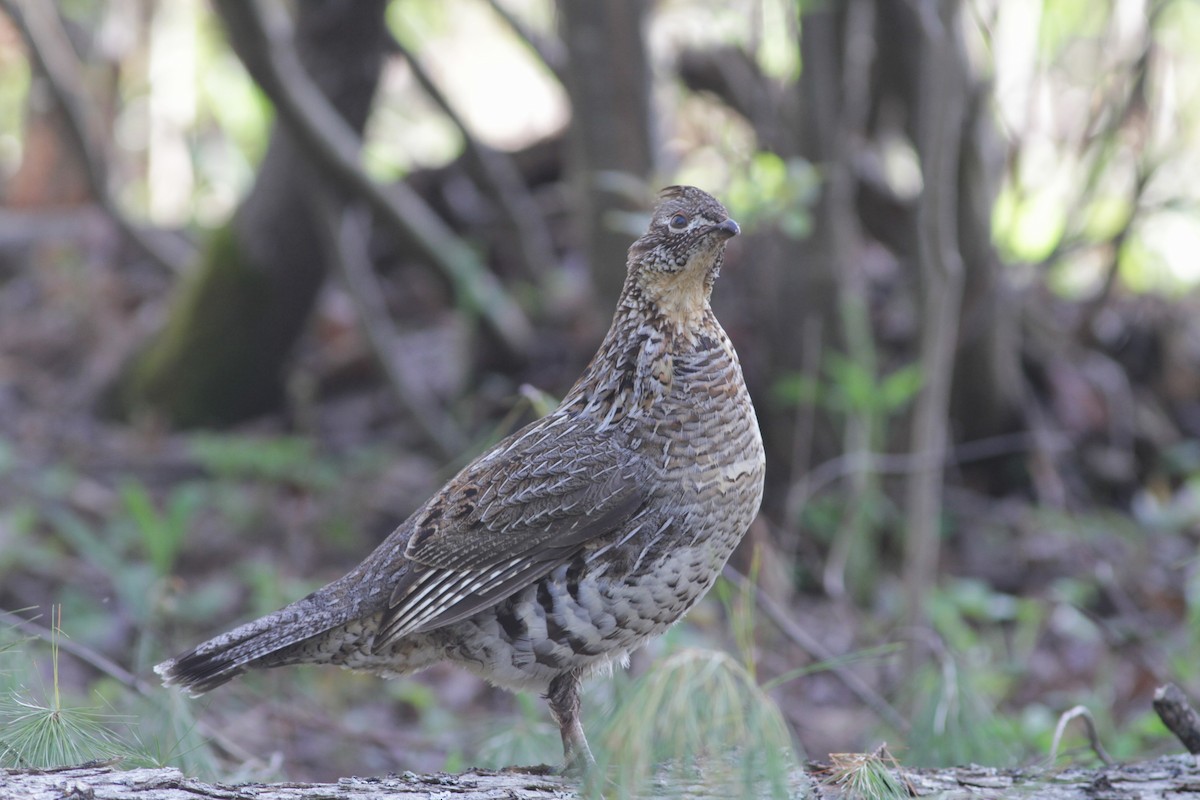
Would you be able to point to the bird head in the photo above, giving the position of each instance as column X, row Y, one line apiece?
column 674, row 264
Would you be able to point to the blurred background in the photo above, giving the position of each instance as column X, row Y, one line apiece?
column 270, row 273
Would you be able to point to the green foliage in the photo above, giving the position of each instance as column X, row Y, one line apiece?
column 279, row 459
column 43, row 733
column 854, row 521
column 130, row 539
column 269, row 589
column 425, row 21
column 14, row 89
column 774, row 192
column 1105, row 216
column 776, row 52
column 1189, row 661
column 1065, row 22
column 134, row 583
column 864, row 776
column 162, row 533
column 864, row 655
column 1129, row 739
column 851, row 387
column 43, row 726
column 703, row 712
column 527, row 737
column 1147, row 265
column 954, row 721
column 980, row 655
column 1102, row 193
column 740, row 610
column 985, row 640
column 1028, row 226
column 43, row 729
column 167, row 734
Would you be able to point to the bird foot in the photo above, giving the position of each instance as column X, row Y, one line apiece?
column 578, row 761
column 578, row 764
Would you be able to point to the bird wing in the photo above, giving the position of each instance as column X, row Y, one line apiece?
column 510, row 518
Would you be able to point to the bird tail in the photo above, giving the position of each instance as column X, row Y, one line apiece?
column 224, row 657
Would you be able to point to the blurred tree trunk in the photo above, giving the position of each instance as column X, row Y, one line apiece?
column 861, row 99
column 836, row 46
column 914, row 84
column 223, row 352
column 52, row 173
column 612, row 152
column 855, row 98
column 986, row 392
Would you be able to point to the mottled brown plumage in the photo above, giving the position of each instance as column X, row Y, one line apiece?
column 573, row 541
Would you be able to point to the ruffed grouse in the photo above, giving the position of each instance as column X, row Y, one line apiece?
column 573, row 541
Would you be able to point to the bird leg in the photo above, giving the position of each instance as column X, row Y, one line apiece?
column 564, row 707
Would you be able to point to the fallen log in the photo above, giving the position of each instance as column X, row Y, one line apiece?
column 1165, row 777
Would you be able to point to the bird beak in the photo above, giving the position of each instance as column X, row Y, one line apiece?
column 727, row 229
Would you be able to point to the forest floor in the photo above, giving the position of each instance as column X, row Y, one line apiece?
column 135, row 542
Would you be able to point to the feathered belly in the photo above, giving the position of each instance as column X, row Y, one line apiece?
column 597, row 609
column 584, row 626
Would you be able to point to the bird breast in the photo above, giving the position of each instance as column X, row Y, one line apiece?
column 703, row 437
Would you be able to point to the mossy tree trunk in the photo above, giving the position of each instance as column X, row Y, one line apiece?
column 222, row 355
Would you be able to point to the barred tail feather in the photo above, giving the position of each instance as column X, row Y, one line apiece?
column 227, row 656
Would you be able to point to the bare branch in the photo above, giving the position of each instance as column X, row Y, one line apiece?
column 264, row 45
column 733, row 76
column 347, row 233
column 815, row 480
column 57, row 62
column 1089, row 724
column 1173, row 708
column 809, row 644
column 499, row 176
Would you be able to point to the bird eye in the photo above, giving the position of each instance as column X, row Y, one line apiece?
column 679, row 222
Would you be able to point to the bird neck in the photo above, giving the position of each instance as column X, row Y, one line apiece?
column 676, row 305
column 635, row 365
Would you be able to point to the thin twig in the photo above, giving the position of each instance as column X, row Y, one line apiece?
column 801, row 638
column 1102, row 133
column 265, row 47
column 43, row 32
column 346, row 232
column 1089, row 724
column 805, row 424
column 1116, row 243
column 498, row 174
column 838, row 467
column 82, row 652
